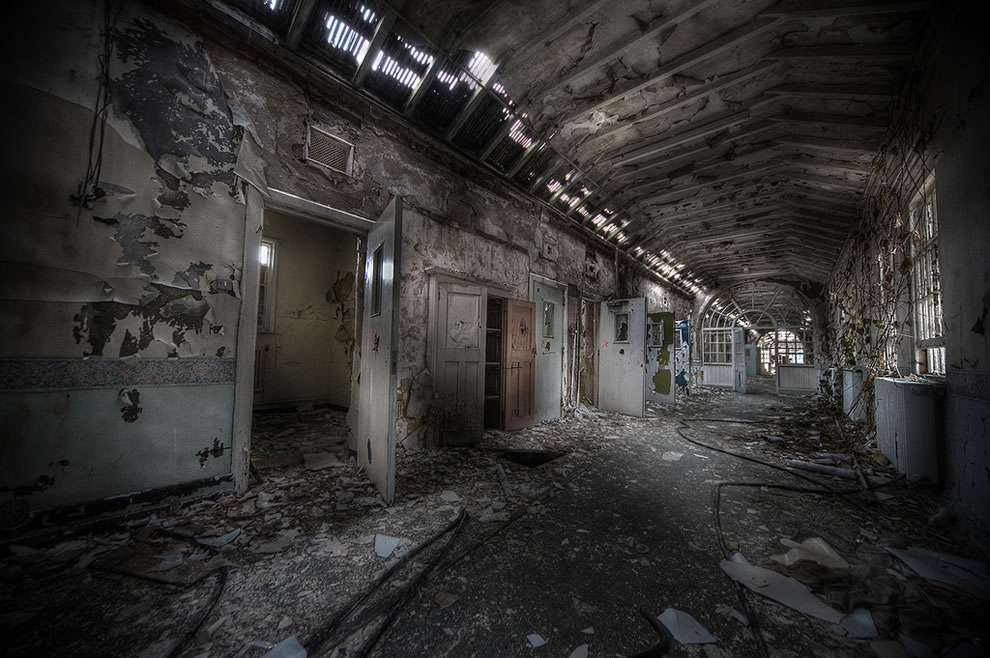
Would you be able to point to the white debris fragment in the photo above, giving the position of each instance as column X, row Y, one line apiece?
column 450, row 497
column 684, row 627
column 535, row 640
column 857, row 624
column 385, row 545
column 580, row 652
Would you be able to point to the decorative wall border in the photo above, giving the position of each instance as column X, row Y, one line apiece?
column 30, row 375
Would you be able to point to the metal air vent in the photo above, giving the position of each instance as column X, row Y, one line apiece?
column 330, row 151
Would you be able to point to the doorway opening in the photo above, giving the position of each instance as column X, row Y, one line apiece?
column 305, row 337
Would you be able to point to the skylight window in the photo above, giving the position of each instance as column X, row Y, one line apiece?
column 481, row 67
column 519, row 135
column 403, row 74
column 342, row 36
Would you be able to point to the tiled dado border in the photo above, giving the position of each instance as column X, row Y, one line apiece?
column 28, row 375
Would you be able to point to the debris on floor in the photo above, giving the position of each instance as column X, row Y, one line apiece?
column 475, row 551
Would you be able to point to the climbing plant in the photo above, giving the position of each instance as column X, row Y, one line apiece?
column 868, row 298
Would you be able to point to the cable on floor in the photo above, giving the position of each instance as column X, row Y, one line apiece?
column 820, row 488
column 321, row 635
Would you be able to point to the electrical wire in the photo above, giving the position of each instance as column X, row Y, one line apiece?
column 89, row 187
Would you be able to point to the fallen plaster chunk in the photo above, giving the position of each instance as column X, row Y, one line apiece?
column 580, row 652
column 815, row 549
column 287, row 648
column 968, row 575
column 857, row 624
column 317, row 461
column 782, row 589
column 446, row 599
column 384, row 545
column 170, row 560
column 671, row 456
column 450, row 497
column 535, row 640
column 588, row 631
column 684, row 627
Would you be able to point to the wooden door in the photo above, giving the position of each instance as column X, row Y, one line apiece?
column 622, row 357
column 457, row 346
column 379, row 347
column 519, row 363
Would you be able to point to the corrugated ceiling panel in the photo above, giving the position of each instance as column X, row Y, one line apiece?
column 276, row 14
column 397, row 69
column 481, row 126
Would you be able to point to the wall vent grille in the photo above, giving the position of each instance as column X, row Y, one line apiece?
column 329, row 151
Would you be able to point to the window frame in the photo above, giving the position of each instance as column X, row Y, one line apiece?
column 926, row 288
column 716, row 346
column 267, row 288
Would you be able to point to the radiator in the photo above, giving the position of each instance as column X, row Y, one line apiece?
column 909, row 423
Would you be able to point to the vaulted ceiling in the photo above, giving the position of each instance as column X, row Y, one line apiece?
column 716, row 141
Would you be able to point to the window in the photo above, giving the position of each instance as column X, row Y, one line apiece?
column 716, row 346
column 927, row 288
column 266, row 286
column 376, row 279
column 548, row 309
column 622, row 327
column 783, row 347
column 656, row 334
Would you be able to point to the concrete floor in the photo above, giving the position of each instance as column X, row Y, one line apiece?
column 583, row 551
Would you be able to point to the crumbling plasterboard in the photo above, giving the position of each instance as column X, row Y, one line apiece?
column 782, row 589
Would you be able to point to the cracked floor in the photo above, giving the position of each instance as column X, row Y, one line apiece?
column 487, row 553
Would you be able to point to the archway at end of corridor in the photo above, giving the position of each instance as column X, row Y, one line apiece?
column 758, row 329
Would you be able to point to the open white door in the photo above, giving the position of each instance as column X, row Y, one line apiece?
column 379, row 347
column 660, row 357
column 622, row 357
column 550, row 332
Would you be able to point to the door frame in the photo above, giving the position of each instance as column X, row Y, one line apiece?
column 436, row 277
column 256, row 204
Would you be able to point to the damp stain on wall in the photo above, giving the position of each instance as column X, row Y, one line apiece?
column 132, row 409
column 211, row 451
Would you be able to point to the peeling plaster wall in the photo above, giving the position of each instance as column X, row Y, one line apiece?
column 120, row 316
column 458, row 218
column 115, row 344
column 960, row 94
